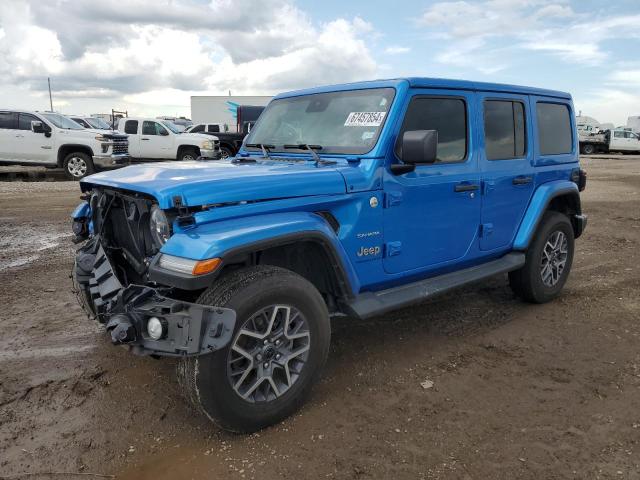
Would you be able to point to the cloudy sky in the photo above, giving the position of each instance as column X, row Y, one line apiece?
column 150, row 56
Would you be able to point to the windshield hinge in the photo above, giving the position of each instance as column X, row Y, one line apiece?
column 185, row 217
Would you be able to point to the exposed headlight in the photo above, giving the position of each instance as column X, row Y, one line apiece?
column 207, row 145
column 159, row 225
column 156, row 328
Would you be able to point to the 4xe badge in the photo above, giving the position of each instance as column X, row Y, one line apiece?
column 365, row 252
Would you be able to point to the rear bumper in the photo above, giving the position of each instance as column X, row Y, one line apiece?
column 188, row 329
column 113, row 160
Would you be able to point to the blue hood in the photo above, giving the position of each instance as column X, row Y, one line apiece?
column 208, row 182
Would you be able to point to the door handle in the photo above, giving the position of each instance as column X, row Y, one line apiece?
column 522, row 180
column 19, row 136
column 144, row 139
column 466, row 187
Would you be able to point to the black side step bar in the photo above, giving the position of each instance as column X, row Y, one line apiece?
column 369, row 304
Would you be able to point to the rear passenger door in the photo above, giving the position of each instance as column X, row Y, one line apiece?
column 8, row 132
column 506, row 164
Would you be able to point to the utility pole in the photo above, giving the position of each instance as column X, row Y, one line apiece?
column 50, row 97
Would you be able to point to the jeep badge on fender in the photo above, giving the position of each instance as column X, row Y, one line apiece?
column 235, row 266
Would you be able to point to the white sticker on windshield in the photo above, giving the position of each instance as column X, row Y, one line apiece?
column 365, row 119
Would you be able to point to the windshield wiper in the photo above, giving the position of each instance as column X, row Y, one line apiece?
column 262, row 146
column 310, row 148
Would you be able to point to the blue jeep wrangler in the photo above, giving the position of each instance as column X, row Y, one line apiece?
column 352, row 200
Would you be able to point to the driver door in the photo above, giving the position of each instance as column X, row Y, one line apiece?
column 432, row 214
column 155, row 141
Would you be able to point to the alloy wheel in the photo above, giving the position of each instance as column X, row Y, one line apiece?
column 269, row 353
column 554, row 258
column 77, row 167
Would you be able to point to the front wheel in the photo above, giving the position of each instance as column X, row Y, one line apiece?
column 548, row 260
column 188, row 154
column 226, row 152
column 588, row 149
column 78, row 165
column 280, row 344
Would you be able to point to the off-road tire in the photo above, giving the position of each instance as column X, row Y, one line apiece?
column 588, row 149
column 190, row 153
column 527, row 282
column 226, row 152
column 204, row 379
column 78, row 165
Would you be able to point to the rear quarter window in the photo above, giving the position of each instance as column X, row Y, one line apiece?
column 554, row 128
column 131, row 127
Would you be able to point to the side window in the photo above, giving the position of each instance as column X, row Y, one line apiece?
column 446, row 115
column 504, row 129
column 197, row 128
column 131, row 127
column 25, row 119
column 8, row 120
column 213, row 128
column 618, row 134
column 554, row 128
column 152, row 128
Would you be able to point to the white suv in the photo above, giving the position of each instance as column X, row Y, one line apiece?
column 53, row 140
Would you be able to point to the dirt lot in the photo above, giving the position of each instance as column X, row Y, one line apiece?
column 520, row 391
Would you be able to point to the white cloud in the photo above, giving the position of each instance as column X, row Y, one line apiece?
column 471, row 28
column 147, row 53
column 609, row 105
column 396, row 50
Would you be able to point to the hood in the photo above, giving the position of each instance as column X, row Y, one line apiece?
column 195, row 136
column 211, row 182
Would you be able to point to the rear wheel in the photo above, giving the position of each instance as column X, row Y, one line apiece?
column 187, row 154
column 588, row 149
column 280, row 343
column 548, row 260
column 78, row 165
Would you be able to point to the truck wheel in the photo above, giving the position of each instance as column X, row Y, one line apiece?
column 588, row 149
column 78, row 165
column 279, row 346
column 188, row 154
column 226, row 152
column 548, row 260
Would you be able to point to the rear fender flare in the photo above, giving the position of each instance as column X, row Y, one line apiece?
column 538, row 205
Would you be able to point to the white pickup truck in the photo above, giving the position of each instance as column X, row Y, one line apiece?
column 153, row 139
column 618, row 140
column 53, row 140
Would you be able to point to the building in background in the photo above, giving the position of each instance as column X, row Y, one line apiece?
column 222, row 109
column 633, row 122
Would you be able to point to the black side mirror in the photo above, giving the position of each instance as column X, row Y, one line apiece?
column 420, row 146
column 37, row 127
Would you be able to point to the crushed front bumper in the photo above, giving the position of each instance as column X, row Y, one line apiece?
column 188, row 329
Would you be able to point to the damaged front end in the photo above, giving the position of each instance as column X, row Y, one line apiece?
column 112, row 285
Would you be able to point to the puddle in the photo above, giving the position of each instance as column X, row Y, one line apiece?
column 22, row 245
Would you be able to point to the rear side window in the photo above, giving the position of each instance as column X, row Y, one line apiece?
column 8, row 120
column 131, row 127
column 25, row 119
column 504, row 129
column 554, row 128
column 446, row 115
column 213, row 129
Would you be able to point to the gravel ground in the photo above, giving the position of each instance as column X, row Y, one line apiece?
column 519, row 391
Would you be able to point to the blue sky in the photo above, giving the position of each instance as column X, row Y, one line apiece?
column 149, row 56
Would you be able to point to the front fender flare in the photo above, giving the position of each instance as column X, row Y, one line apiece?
column 227, row 238
column 538, row 205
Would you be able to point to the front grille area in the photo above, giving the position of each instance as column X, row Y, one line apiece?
column 122, row 222
column 120, row 147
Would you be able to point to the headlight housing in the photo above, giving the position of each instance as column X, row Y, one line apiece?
column 207, row 145
column 159, row 226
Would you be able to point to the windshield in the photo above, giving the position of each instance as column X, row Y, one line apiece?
column 62, row 122
column 340, row 122
column 97, row 123
column 171, row 126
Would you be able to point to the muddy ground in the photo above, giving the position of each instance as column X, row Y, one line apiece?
column 520, row 391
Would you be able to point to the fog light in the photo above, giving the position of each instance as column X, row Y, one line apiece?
column 156, row 328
